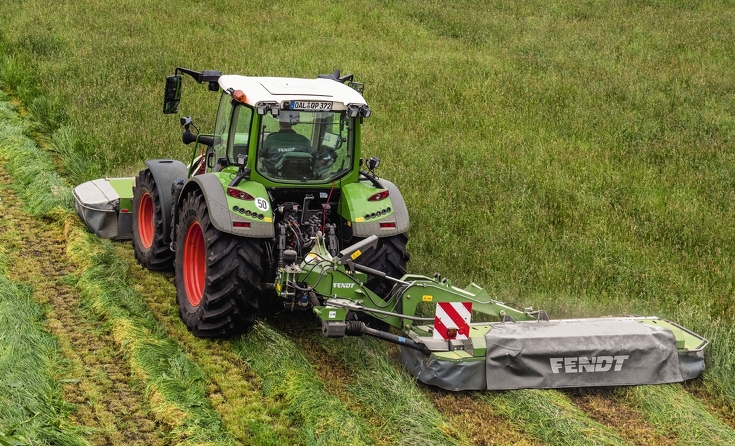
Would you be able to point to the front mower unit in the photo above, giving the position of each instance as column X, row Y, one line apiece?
column 105, row 206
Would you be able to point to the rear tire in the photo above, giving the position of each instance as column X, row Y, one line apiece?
column 217, row 274
column 148, row 232
column 389, row 256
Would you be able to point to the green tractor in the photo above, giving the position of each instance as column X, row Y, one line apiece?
column 282, row 164
column 275, row 207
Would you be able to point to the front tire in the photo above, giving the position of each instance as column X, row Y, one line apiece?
column 217, row 274
column 151, row 250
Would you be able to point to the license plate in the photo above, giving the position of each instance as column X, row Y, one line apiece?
column 311, row 106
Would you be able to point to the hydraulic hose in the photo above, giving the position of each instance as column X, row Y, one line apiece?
column 358, row 328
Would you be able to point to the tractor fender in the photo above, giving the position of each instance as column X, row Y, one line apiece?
column 165, row 173
column 362, row 228
column 399, row 206
column 220, row 214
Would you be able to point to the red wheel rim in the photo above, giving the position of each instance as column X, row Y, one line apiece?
column 195, row 264
column 145, row 220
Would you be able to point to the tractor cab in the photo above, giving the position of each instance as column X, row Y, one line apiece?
column 298, row 131
column 305, row 146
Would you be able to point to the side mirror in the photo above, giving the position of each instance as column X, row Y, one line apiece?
column 357, row 86
column 172, row 95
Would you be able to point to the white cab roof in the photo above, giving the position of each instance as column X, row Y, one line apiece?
column 279, row 89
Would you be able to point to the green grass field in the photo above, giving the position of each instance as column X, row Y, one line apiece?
column 574, row 156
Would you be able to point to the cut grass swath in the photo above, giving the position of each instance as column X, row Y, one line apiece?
column 30, row 359
column 285, row 371
column 173, row 384
column 681, row 413
column 379, row 385
column 33, row 409
column 551, row 417
column 31, row 166
column 233, row 388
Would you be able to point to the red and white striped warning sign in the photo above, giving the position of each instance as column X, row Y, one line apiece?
column 452, row 320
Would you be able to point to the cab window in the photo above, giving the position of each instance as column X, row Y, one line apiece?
column 240, row 132
column 305, row 146
column 221, row 131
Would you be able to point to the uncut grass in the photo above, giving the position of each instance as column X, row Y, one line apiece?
column 34, row 410
column 584, row 149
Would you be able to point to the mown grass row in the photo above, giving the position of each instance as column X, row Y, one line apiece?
column 549, row 416
column 389, row 392
column 285, row 372
column 545, row 415
column 173, row 384
column 235, row 389
column 360, row 372
column 677, row 412
column 32, row 366
column 34, row 410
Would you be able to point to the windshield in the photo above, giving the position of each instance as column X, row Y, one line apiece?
column 305, row 146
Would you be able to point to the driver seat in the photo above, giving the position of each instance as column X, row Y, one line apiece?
column 295, row 166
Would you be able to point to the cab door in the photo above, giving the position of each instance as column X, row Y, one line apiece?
column 217, row 154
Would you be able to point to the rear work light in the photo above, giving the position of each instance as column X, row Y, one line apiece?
column 382, row 195
column 234, row 193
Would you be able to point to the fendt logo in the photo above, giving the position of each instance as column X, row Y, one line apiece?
column 581, row 364
column 343, row 285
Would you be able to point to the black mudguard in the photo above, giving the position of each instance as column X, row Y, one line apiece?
column 165, row 173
